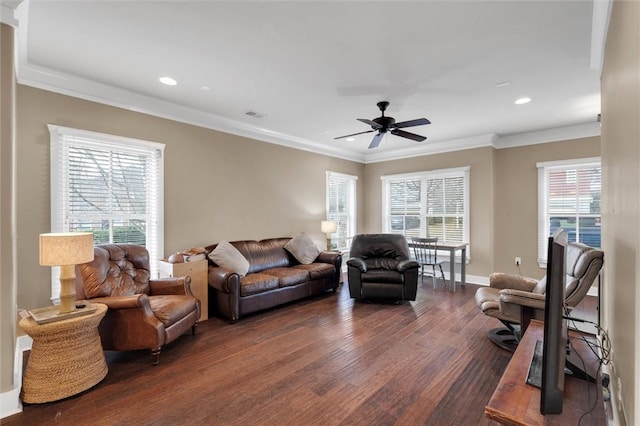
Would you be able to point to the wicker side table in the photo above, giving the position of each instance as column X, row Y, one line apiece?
column 66, row 357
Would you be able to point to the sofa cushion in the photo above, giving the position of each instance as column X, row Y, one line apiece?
column 289, row 276
column 227, row 256
column 257, row 283
column 318, row 270
column 303, row 249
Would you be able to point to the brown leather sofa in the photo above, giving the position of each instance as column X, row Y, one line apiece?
column 274, row 277
column 143, row 313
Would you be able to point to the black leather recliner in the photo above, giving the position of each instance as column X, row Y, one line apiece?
column 381, row 267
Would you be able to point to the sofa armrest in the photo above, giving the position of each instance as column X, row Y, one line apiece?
column 174, row 285
column 511, row 281
column 224, row 280
column 332, row 257
column 358, row 263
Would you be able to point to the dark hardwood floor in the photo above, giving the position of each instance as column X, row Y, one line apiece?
column 321, row 361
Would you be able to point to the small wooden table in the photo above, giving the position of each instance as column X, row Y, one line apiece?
column 66, row 357
column 452, row 248
column 514, row 402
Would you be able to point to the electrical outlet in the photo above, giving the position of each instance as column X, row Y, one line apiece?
column 518, row 261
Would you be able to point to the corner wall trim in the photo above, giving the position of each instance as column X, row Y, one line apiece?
column 10, row 403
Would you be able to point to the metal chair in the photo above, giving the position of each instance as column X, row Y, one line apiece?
column 426, row 253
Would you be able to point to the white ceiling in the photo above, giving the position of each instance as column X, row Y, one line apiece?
column 313, row 67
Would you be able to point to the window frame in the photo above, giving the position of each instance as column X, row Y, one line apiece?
column 544, row 227
column 351, row 181
column 424, row 176
column 61, row 138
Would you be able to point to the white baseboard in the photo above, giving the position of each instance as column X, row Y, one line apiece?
column 10, row 403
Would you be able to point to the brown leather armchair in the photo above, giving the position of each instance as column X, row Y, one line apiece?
column 515, row 300
column 143, row 313
column 381, row 267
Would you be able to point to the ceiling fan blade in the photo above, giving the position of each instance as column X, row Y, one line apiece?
column 411, row 123
column 376, row 140
column 370, row 123
column 354, row 134
column 408, row 135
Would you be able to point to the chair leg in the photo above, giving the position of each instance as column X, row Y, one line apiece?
column 155, row 356
column 441, row 273
column 434, row 276
column 193, row 328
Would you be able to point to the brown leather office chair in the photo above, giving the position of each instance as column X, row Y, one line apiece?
column 381, row 267
column 143, row 313
column 513, row 299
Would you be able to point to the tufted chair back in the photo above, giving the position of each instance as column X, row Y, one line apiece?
column 116, row 270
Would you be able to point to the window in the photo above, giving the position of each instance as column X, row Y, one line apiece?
column 341, row 208
column 569, row 198
column 108, row 185
column 431, row 203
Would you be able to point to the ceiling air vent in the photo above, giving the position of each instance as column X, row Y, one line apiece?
column 254, row 114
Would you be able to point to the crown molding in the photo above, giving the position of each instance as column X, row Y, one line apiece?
column 557, row 134
column 8, row 12
column 430, row 148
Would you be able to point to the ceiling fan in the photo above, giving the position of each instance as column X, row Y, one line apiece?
column 384, row 124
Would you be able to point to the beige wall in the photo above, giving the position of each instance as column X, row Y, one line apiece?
column 7, row 282
column 516, row 200
column 621, row 199
column 481, row 165
column 217, row 186
column 503, row 198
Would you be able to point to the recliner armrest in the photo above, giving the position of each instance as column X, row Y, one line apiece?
column 522, row 298
column 356, row 262
column 406, row 265
column 511, row 281
column 171, row 285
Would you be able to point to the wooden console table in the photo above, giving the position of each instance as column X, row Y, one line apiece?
column 514, row 402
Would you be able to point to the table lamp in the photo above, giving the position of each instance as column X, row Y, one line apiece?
column 66, row 250
column 328, row 227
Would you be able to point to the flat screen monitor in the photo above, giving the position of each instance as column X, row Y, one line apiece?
column 554, row 347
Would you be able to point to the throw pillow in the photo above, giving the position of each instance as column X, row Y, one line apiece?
column 303, row 249
column 227, row 256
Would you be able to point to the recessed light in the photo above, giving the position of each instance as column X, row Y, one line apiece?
column 205, row 88
column 351, row 139
column 522, row 101
column 168, row 81
column 503, row 84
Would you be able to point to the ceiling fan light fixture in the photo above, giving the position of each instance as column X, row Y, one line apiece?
column 522, row 101
column 167, row 81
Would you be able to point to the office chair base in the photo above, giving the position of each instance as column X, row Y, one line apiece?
column 504, row 338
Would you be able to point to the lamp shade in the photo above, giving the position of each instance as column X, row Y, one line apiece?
column 328, row 227
column 67, row 248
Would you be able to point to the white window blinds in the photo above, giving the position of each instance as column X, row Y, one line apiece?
column 434, row 203
column 569, row 198
column 107, row 185
column 341, row 208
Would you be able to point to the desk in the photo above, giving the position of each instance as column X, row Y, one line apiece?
column 66, row 357
column 515, row 402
